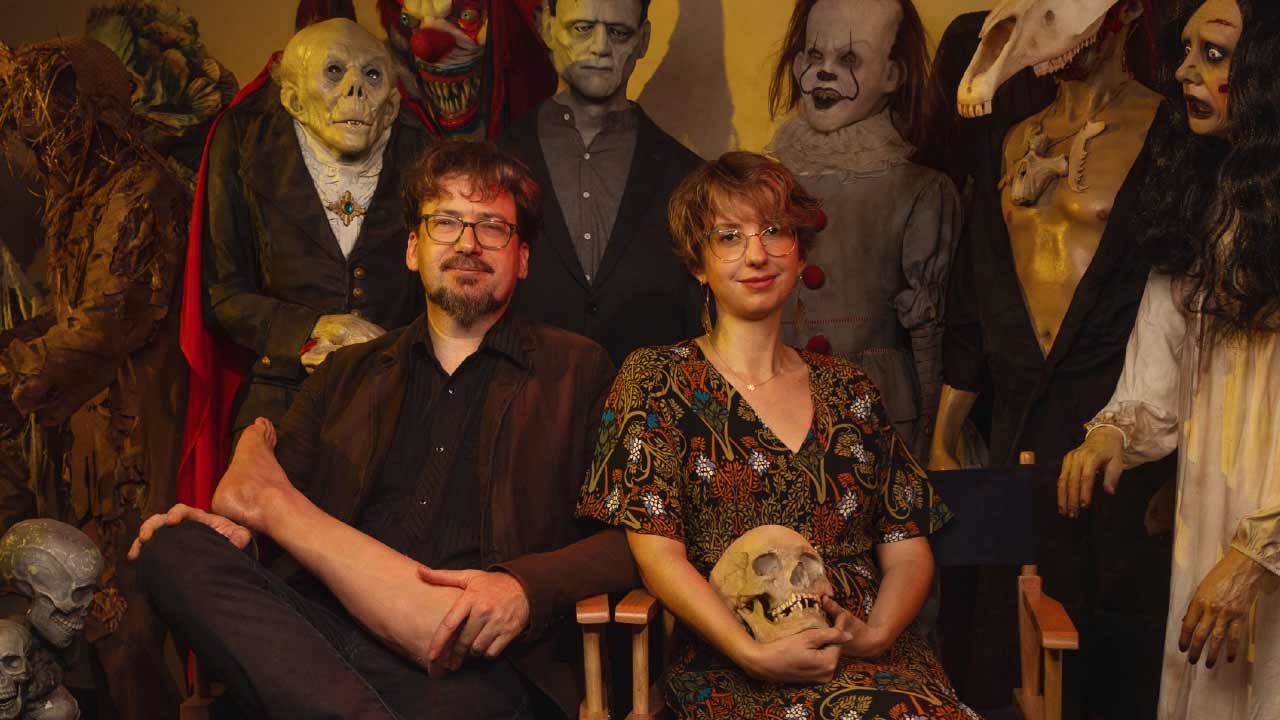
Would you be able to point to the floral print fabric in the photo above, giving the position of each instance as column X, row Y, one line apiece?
column 681, row 453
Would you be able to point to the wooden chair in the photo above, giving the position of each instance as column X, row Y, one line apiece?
column 1044, row 632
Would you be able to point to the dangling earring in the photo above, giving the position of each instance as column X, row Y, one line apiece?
column 707, row 327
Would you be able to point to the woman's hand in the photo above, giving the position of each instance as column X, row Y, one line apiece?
column 806, row 657
column 1102, row 450
column 864, row 640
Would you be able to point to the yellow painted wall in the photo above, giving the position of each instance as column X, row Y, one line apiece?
column 705, row 80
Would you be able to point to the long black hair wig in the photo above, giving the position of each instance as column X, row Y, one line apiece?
column 1213, row 216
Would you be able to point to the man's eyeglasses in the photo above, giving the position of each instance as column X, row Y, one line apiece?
column 731, row 244
column 447, row 229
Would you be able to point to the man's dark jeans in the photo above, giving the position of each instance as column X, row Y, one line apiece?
column 289, row 649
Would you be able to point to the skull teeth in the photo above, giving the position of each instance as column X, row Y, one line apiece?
column 796, row 603
column 1054, row 65
column 70, row 623
column 973, row 111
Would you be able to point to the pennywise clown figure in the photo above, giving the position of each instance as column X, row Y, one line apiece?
column 853, row 74
column 1202, row 371
column 1045, row 289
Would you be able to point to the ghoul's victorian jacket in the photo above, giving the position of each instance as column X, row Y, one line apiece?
column 272, row 264
column 534, row 441
column 640, row 295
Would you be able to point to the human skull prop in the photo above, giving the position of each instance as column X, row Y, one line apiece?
column 15, row 671
column 57, row 705
column 1045, row 35
column 336, row 80
column 58, row 567
column 774, row 580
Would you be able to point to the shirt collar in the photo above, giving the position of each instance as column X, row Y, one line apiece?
column 558, row 114
column 503, row 338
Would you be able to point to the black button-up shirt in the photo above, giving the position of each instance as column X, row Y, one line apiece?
column 426, row 504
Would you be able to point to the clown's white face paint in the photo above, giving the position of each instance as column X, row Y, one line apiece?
column 844, row 71
column 1209, row 42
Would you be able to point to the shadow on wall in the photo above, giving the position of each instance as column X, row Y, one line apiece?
column 688, row 95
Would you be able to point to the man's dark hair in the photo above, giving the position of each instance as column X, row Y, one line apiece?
column 490, row 171
column 644, row 9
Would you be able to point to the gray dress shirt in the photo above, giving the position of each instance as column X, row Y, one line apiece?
column 588, row 181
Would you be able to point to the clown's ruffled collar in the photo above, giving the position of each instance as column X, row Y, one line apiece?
column 867, row 147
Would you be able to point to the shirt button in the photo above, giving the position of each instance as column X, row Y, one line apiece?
column 567, row 117
column 450, row 391
column 266, row 361
column 357, row 292
column 440, row 449
column 586, row 156
column 586, row 236
column 592, row 308
column 358, row 273
column 356, row 312
column 586, row 194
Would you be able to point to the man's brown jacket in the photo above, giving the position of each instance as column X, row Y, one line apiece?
column 536, row 434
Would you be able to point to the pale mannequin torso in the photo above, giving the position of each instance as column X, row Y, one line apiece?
column 1054, row 240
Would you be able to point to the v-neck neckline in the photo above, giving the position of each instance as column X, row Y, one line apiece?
column 811, row 431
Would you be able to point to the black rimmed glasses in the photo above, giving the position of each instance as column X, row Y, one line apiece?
column 447, row 230
column 729, row 244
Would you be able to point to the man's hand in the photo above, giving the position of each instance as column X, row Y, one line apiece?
column 236, row 534
column 493, row 607
column 1219, row 611
column 864, row 640
column 1103, row 450
column 806, row 657
column 335, row 331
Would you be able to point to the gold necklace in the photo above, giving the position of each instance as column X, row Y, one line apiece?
column 750, row 386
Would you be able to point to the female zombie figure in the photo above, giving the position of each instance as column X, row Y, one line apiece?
column 856, row 71
column 1202, row 369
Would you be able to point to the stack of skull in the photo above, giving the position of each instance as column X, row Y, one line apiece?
column 56, row 567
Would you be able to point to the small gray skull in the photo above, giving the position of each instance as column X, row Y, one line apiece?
column 15, row 644
column 57, row 705
column 58, row 567
column 774, row 580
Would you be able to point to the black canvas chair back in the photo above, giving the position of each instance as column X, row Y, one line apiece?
column 994, row 521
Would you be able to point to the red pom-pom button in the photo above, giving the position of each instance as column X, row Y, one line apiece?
column 818, row 344
column 813, row 277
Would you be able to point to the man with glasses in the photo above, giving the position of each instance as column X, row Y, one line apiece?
column 607, row 270
column 421, row 488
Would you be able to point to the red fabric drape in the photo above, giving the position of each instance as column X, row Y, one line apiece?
column 216, row 365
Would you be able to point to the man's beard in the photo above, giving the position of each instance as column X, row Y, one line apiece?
column 464, row 308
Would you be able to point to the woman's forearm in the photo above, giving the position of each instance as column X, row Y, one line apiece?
column 670, row 577
column 907, row 568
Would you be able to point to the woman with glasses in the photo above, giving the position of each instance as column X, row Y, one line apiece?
column 705, row 440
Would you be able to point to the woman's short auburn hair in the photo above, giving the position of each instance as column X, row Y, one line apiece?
column 763, row 185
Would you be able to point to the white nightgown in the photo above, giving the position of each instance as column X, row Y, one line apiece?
column 1220, row 407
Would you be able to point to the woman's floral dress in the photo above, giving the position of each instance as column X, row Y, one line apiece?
column 681, row 454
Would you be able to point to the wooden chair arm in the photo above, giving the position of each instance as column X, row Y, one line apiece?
column 637, row 608
column 593, row 610
column 1057, row 632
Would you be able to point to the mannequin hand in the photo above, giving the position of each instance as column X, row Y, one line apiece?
column 1102, row 450
column 1219, row 611
column 335, row 331
column 806, row 657
column 865, row 641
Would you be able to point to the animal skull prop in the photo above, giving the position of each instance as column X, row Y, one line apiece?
column 336, row 80
column 1045, row 35
column 845, row 72
column 15, row 671
column 57, row 567
column 774, row 580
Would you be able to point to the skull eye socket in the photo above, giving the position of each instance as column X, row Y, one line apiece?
column 82, row 596
column 767, row 564
column 993, row 45
column 14, row 663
